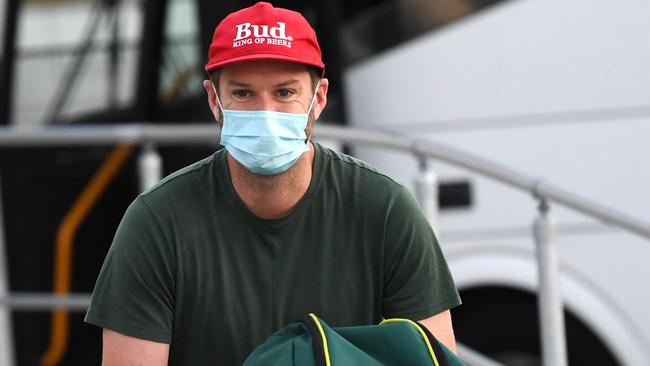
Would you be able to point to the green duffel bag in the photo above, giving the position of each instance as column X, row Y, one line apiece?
column 394, row 342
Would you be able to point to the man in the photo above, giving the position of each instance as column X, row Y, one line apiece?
column 210, row 262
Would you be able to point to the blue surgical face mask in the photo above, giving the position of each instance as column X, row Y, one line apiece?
column 265, row 142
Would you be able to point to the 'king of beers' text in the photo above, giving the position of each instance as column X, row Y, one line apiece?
column 262, row 34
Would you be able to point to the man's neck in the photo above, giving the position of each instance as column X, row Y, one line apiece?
column 272, row 197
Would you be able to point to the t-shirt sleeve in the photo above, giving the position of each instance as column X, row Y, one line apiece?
column 417, row 280
column 134, row 292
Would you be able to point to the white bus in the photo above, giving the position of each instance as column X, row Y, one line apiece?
column 559, row 90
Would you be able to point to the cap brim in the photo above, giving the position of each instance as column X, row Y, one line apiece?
column 263, row 56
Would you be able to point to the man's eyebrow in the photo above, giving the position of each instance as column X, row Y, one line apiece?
column 287, row 83
column 238, row 84
column 247, row 85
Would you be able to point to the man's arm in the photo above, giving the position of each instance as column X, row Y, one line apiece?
column 122, row 350
column 440, row 326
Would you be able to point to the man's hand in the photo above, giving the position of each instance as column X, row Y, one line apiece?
column 122, row 350
column 440, row 326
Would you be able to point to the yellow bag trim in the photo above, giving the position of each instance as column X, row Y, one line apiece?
column 322, row 333
column 424, row 336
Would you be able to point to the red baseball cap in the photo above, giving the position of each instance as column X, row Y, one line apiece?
column 263, row 32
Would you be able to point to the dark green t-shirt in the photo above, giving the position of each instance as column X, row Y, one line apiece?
column 190, row 265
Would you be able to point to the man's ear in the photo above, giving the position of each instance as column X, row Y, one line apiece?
column 212, row 100
column 321, row 97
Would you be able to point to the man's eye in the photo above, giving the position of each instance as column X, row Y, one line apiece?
column 285, row 93
column 241, row 93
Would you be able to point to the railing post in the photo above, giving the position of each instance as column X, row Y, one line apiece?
column 6, row 333
column 551, row 312
column 426, row 189
column 149, row 167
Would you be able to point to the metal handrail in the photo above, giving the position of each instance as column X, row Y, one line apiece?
column 536, row 186
column 149, row 136
column 179, row 134
column 46, row 301
column 176, row 134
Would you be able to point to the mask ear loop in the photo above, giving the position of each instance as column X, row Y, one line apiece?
column 216, row 95
column 313, row 99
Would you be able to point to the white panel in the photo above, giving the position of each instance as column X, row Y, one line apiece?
column 521, row 57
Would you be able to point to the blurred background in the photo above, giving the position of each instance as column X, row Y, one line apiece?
column 556, row 89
